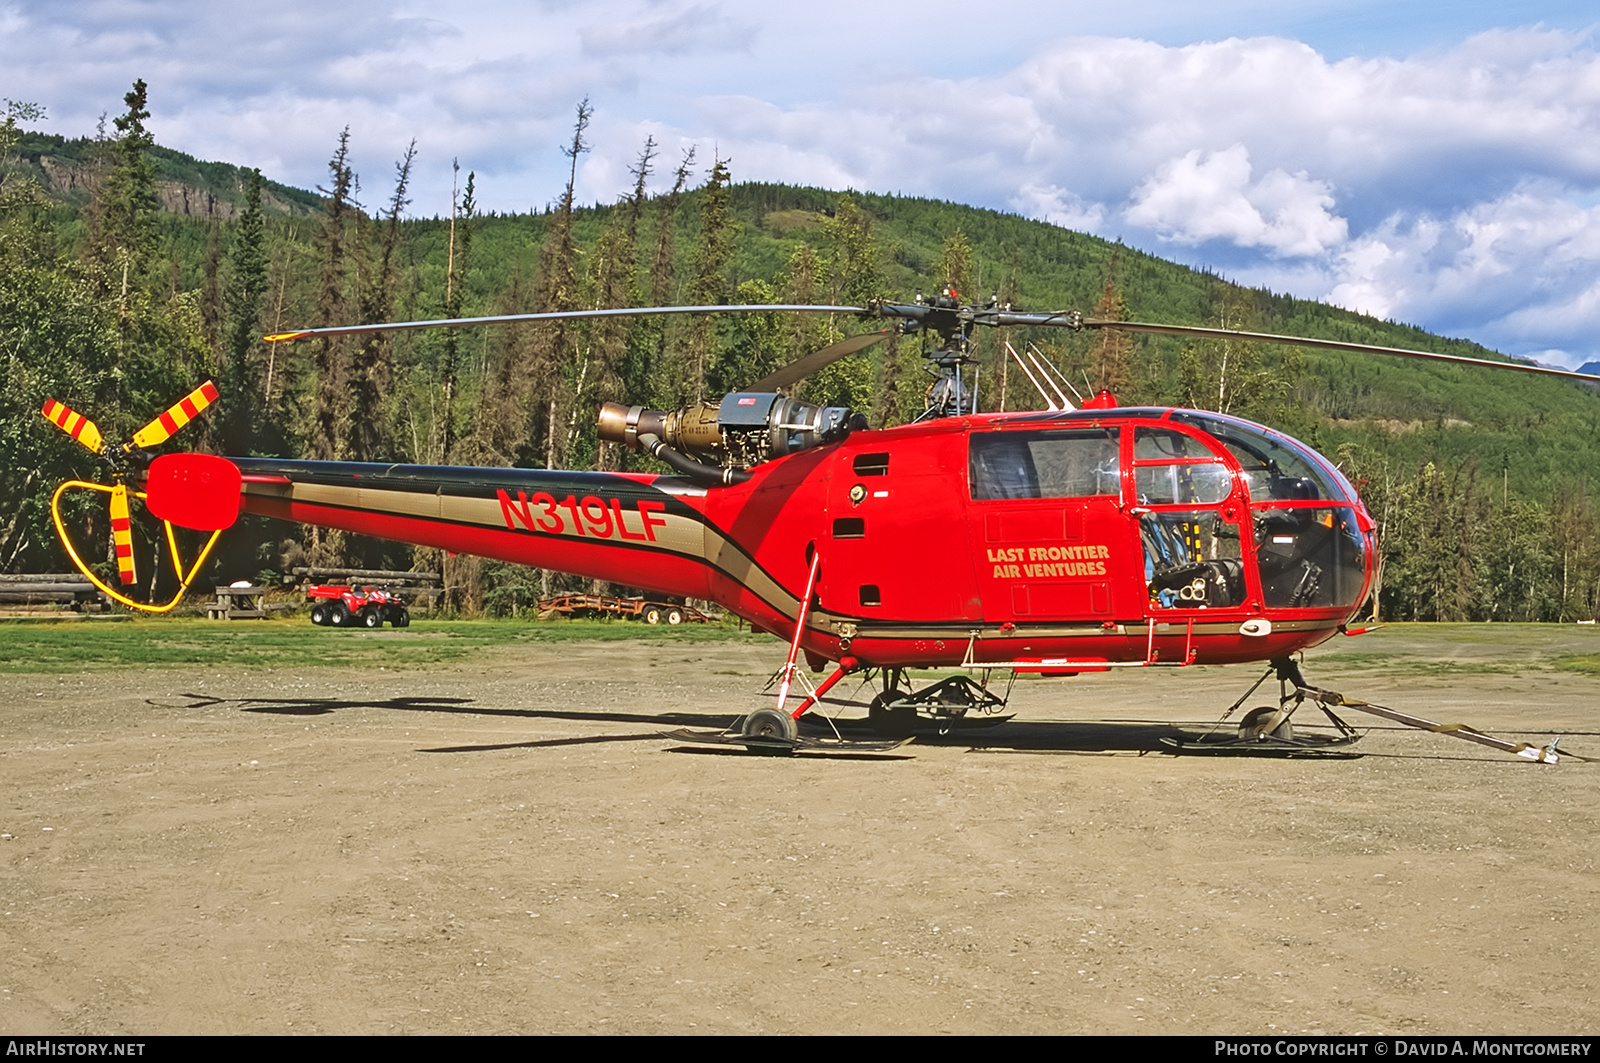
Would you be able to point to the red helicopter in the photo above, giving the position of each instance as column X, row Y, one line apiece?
column 1063, row 541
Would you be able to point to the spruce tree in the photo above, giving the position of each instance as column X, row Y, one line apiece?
column 709, row 285
column 647, row 377
column 371, row 369
column 614, row 282
column 329, row 358
column 1111, row 355
column 460, row 256
column 547, row 372
column 243, row 387
column 330, row 355
column 128, row 204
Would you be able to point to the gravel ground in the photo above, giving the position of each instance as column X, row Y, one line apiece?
column 511, row 846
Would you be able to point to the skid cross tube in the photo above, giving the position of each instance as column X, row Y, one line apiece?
column 846, row 666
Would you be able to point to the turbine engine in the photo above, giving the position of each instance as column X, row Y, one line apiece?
column 717, row 444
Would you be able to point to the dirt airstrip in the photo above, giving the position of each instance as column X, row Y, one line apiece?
column 510, row 846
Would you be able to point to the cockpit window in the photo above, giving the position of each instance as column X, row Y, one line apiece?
column 1045, row 464
column 1163, row 444
column 1166, row 485
column 1170, row 468
column 1192, row 560
column 1310, row 557
column 1276, row 468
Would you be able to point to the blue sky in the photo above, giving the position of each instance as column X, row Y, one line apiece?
column 1435, row 163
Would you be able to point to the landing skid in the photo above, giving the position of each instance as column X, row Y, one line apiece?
column 1269, row 731
column 1223, row 745
column 778, row 746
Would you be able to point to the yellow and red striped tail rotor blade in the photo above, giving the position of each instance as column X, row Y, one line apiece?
column 122, row 535
column 177, row 415
column 75, row 425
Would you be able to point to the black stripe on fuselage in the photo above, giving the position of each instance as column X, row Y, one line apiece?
column 484, row 483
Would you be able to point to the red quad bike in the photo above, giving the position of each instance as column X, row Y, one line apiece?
column 356, row 606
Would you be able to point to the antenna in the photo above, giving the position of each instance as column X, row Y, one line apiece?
column 1045, row 367
column 1048, row 401
column 1051, row 366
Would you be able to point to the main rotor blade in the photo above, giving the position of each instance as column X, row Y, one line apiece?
column 176, row 416
column 558, row 315
column 1325, row 345
column 801, row 368
column 1003, row 316
column 994, row 316
column 75, row 425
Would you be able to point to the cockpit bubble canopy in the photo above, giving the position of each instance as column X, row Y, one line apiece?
column 1276, row 468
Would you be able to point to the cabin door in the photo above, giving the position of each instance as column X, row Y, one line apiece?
column 1050, row 540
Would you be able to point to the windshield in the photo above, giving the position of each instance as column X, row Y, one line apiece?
column 1276, row 467
column 1310, row 557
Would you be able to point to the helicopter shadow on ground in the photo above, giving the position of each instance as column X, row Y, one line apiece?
column 1096, row 738
column 846, row 718
column 996, row 735
column 307, row 706
column 1189, row 739
column 1055, row 736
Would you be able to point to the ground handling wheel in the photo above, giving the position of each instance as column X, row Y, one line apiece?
column 890, row 720
column 770, row 732
column 674, row 617
column 651, row 614
column 1254, row 722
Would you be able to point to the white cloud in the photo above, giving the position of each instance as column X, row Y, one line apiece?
column 1450, row 187
column 1057, row 206
column 1203, row 196
column 700, row 28
column 1521, row 272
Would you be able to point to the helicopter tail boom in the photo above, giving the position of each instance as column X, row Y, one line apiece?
column 608, row 526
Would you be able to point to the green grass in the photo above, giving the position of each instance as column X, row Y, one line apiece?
column 1402, row 664
column 154, row 642
column 293, row 642
column 1455, row 649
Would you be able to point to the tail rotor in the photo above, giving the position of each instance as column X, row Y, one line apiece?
column 196, row 491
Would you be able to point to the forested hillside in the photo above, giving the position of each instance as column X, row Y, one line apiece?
column 127, row 274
